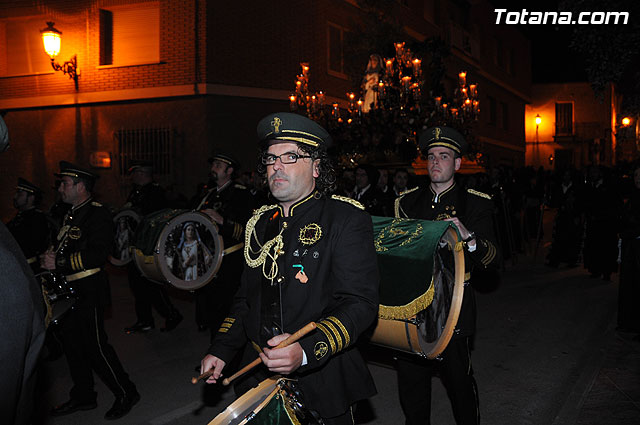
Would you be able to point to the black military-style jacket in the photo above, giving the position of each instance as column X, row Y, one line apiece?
column 328, row 274
column 475, row 210
column 31, row 230
column 146, row 199
column 235, row 204
column 85, row 240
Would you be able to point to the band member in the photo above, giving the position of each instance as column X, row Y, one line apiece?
column 21, row 325
column 471, row 211
column 29, row 227
column 308, row 258
column 229, row 205
column 366, row 191
column 147, row 197
column 84, row 242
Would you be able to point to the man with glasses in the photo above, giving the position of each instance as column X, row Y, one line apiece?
column 83, row 244
column 472, row 212
column 308, row 258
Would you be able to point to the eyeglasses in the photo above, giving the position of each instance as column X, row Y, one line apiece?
column 285, row 158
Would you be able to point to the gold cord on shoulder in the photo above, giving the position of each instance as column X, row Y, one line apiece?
column 271, row 249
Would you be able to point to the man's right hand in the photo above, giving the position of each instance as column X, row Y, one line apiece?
column 212, row 362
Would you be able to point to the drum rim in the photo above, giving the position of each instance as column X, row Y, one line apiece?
column 138, row 218
column 158, row 253
column 434, row 349
column 266, row 388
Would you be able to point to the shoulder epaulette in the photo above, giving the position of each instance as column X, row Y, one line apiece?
column 481, row 194
column 348, row 201
column 409, row 191
column 239, row 186
column 96, row 204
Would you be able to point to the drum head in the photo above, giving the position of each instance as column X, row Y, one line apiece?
column 249, row 402
column 188, row 252
column 126, row 222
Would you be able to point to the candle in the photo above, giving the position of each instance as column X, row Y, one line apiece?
column 293, row 102
column 417, row 69
column 462, row 78
column 389, row 66
column 473, row 90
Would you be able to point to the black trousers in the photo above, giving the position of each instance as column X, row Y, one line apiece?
column 87, row 349
column 414, row 384
column 148, row 294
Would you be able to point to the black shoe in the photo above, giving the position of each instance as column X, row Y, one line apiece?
column 172, row 322
column 122, row 406
column 139, row 327
column 72, row 406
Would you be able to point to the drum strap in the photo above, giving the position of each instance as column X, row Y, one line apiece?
column 32, row 260
column 233, row 249
column 82, row 275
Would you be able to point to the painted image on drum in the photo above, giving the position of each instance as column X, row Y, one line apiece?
column 125, row 229
column 188, row 250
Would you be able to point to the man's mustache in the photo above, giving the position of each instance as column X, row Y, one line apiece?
column 278, row 175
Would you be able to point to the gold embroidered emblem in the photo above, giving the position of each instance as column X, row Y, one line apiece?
column 392, row 230
column 276, row 123
column 437, row 132
column 320, row 350
column 75, row 233
column 310, row 234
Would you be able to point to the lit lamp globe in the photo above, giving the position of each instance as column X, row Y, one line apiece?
column 52, row 39
column 538, row 119
column 626, row 121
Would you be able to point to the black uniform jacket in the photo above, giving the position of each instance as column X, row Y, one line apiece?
column 333, row 241
column 31, row 230
column 475, row 210
column 85, row 240
column 146, row 199
column 234, row 203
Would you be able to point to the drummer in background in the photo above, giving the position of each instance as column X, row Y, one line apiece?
column 84, row 242
column 471, row 211
column 29, row 227
column 229, row 205
column 145, row 198
column 310, row 258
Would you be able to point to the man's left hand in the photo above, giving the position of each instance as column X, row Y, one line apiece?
column 464, row 233
column 282, row 360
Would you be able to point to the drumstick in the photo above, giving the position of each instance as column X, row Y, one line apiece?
column 290, row 340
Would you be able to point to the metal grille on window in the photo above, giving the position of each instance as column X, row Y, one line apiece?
column 148, row 144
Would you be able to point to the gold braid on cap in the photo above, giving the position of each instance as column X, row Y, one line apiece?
column 271, row 249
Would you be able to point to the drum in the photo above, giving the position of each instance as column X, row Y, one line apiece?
column 179, row 247
column 126, row 223
column 274, row 401
column 422, row 271
column 59, row 296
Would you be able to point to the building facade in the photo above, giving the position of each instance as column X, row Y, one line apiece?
column 175, row 80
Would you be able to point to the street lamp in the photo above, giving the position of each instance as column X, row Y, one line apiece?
column 626, row 121
column 538, row 121
column 52, row 40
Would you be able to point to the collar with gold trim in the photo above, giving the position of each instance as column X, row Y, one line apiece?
column 438, row 196
column 303, row 204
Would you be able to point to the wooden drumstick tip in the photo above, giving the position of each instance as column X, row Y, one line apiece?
column 205, row 375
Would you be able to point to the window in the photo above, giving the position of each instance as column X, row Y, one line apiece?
column 493, row 113
column 21, row 49
column 150, row 144
column 564, row 119
column 130, row 35
column 505, row 115
column 335, row 51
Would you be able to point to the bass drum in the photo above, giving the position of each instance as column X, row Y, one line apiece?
column 178, row 247
column 126, row 223
column 59, row 296
column 422, row 276
column 274, row 401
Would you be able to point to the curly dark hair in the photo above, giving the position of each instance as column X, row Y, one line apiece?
column 326, row 181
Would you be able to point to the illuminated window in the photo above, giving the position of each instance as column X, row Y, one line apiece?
column 335, row 50
column 130, row 35
column 21, row 51
column 564, row 118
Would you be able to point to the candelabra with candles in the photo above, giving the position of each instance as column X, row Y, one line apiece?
column 383, row 123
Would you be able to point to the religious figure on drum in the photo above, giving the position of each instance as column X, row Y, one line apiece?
column 195, row 258
column 310, row 258
column 471, row 211
column 123, row 235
